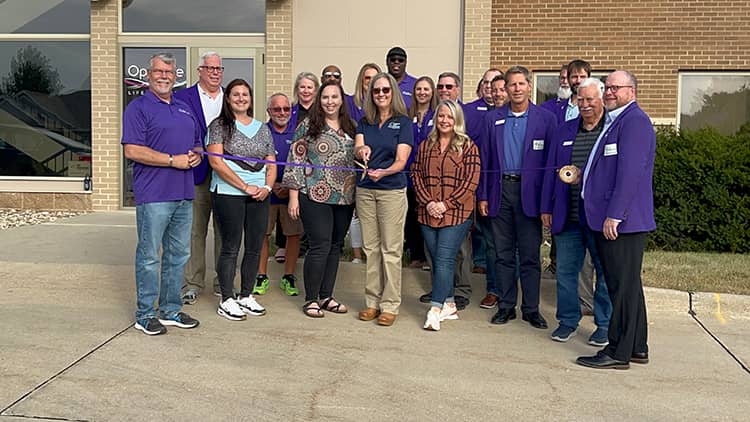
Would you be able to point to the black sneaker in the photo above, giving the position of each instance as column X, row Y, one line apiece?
column 426, row 298
column 181, row 320
column 461, row 302
column 150, row 326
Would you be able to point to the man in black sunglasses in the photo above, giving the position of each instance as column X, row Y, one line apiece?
column 333, row 73
column 395, row 60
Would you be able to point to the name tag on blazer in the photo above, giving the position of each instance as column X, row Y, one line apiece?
column 430, row 123
column 610, row 149
column 499, row 122
column 567, row 143
column 538, row 144
column 482, row 108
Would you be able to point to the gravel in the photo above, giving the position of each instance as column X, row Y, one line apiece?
column 10, row 217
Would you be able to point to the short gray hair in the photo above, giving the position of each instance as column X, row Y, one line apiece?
column 455, row 77
column 278, row 94
column 593, row 82
column 208, row 54
column 167, row 58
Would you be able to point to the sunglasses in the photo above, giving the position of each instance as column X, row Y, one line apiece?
column 385, row 90
column 397, row 59
column 336, row 75
column 280, row 109
column 446, row 86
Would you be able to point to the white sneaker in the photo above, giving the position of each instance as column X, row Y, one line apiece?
column 230, row 310
column 433, row 321
column 357, row 261
column 250, row 306
column 449, row 311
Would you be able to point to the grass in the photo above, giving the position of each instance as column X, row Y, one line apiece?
column 702, row 272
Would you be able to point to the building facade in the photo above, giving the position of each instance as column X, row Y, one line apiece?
column 60, row 125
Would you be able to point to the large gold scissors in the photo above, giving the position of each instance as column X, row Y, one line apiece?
column 364, row 168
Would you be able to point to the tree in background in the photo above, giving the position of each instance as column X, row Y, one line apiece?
column 30, row 70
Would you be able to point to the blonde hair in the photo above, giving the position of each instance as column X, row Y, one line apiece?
column 398, row 108
column 305, row 75
column 359, row 93
column 460, row 139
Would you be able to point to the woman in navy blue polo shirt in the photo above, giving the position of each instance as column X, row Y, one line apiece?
column 383, row 142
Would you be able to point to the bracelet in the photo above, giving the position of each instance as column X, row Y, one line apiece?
column 171, row 160
column 266, row 187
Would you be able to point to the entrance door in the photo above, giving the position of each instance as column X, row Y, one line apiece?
column 244, row 63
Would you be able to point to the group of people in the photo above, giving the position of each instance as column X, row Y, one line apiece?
column 403, row 153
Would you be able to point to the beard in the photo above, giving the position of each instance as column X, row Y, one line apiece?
column 564, row 93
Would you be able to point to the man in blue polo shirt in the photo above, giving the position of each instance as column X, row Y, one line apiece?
column 396, row 63
column 160, row 134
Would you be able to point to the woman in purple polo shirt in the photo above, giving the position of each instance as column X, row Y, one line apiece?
column 356, row 107
column 240, row 192
column 383, row 143
column 423, row 105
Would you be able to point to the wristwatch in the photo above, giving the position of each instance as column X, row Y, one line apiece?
column 266, row 187
column 171, row 160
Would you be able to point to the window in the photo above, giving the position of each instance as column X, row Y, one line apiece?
column 546, row 84
column 237, row 16
column 720, row 100
column 45, row 16
column 45, row 108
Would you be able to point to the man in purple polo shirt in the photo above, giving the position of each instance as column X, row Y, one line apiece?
column 279, row 109
column 518, row 137
column 395, row 60
column 618, row 199
column 160, row 134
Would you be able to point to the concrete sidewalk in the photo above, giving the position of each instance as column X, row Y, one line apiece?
column 67, row 292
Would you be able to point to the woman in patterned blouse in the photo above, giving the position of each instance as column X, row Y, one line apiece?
column 323, row 196
column 446, row 175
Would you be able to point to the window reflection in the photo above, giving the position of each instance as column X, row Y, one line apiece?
column 45, row 16
column 246, row 16
column 718, row 100
column 45, row 108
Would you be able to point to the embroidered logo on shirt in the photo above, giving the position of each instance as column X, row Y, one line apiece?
column 499, row 122
column 394, row 125
column 610, row 149
column 538, row 144
column 184, row 111
column 567, row 143
column 430, row 123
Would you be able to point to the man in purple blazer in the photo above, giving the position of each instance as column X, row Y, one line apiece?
column 205, row 99
column 560, row 209
column 618, row 200
column 518, row 137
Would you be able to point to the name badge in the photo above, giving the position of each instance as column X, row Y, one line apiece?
column 430, row 123
column 394, row 125
column 499, row 122
column 482, row 108
column 567, row 143
column 610, row 149
column 538, row 144
column 289, row 142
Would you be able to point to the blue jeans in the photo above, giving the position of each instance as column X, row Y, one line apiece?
column 164, row 226
column 572, row 244
column 443, row 244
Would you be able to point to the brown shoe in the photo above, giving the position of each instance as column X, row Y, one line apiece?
column 369, row 314
column 386, row 319
column 478, row 270
column 488, row 302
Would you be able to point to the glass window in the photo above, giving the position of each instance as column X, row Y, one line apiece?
column 720, row 100
column 45, row 16
column 45, row 108
column 245, row 16
column 546, row 84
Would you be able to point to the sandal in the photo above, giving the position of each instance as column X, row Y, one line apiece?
column 331, row 305
column 312, row 309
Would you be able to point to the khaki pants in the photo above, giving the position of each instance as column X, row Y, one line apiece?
column 195, row 269
column 382, row 214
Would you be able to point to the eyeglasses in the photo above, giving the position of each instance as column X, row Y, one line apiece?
column 396, row 59
column 615, row 88
column 335, row 75
column 385, row 90
column 446, row 86
column 280, row 109
column 214, row 69
column 163, row 72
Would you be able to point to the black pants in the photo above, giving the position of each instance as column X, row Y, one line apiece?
column 622, row 260
column 236, row 214
column 513, row 228
column 412, row 231
column 326, row 226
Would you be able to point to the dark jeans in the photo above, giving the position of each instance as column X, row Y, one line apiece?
column 622, row 260
column 236, row 214
column 412, row 232
column 513, row 228
column 326, row 226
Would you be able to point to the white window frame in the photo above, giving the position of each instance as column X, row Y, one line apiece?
column 681, row 73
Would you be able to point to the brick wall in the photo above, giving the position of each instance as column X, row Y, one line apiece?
column 279, row 76
column 476, row 55
column 652, row 39
column 105, row 109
